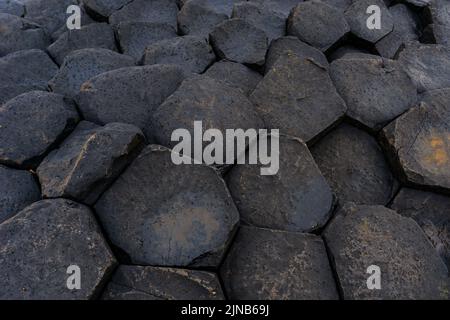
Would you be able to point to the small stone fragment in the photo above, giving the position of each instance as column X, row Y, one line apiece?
column 89, row 160
column 262, row 17
column 375, row 90
column 239, row 41
column 156, row 11
column 41, row 242
column 32, row 123
column 94, row 35
column 104, row 8
column 362, row 236
column 155, row 283
column 266, row 264
column 438, row 12
column 235, row 75
column 128, row 95
column 297, row 198
column 289, row 44
column 298, row 97
column 427, row 65
column 24, row 71
column 418, row 144
column 357, row 17
column 352, row 52
column 317, row 24
column 354, row 166
column 20, row 34
column 177, row 215
column 82, row 65
column 431, row 212
column 18, row 189
column 134, row 37
column 193, row 54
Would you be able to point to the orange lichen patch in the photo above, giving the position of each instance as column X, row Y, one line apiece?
column 438, row 153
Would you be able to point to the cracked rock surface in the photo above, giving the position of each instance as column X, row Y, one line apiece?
column 127, row 149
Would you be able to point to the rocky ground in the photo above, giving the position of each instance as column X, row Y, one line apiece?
column 86, row 176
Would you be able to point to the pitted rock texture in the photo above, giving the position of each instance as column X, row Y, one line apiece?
column 296, row 198
column 128, row 95
column 354, row 165
column 89, row 160
column 156, row 283
column 361, row 236
column 252, row 269
column 18, row 189
column 180, row 215
column 31, row 123
column 42, row 241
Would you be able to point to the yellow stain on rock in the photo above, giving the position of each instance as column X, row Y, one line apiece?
column 438, row 155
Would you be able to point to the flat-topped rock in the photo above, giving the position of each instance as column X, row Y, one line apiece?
column 298, row 97
column 193, row 54
column 235, row 75
column 296, row 198
column 31, row 124
column 376, row 91
column 104, row 8
column 266, row 264
column 354, row 166
column 94, row 35
column 317, row 24
column 18, row 189
column 84, row 64
column 20, row 34
column 24, row 71
column 135, row 36
column 42, row 241
column 155, row 283
column 89, row 160
column 239, row 41
column 177, row 215
column 364, row 236
column 128, row 95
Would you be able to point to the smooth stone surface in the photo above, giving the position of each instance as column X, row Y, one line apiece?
column 128, row 95
column 42, row 241
column 235, row 75
column 94, row 35
column 431, row 212
column 297, row 198
column 417, row 143
column 12, row 7
column 354, row 166
column 317, row 24
column 290, row 44
column 356, row 16
column 239, row 41
column 361, row 236
column 155, row 283
column 428, row 65
column 134, row 37
column 31, row 124
column 24, row 71
column 177, row 215
column 20, row 34
column 89, row 160
column 18, row 189
column 193, row 54
column 266, row 264
column 82, row 65
column 298, row 97
column 375, row 90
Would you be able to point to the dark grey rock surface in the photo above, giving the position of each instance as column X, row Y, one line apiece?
column 156, row 283
column 42, row 241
